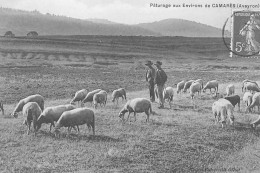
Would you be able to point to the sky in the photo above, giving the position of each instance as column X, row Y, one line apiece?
column 133, row 11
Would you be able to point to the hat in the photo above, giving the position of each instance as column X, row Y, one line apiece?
column 148, row 62
column 158, row 63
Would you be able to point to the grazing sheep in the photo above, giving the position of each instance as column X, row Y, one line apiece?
column 211, row 84
column 223, row 109
column 79, row 96
column 234, row 100
column 247, row 99
column 187, row 85
column 230, row 89
column 180, row 86
column 137, row 105
column 2, row 108
column 168, row 93
column 100, row 97
column 76, row 117
column 118, row 93
column 51, row 114
column 195, row 87
column 200, row 81
column 255, row 102
column 249, row 86
column 31, row 112
column 89, row 97
column 33, row 98
column 244, row 81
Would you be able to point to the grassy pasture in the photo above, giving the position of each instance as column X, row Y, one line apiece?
column 181, row 139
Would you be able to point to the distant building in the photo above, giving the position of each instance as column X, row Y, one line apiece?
column 32, row 34
column 9, row 34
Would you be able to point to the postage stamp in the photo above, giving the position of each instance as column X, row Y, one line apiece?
column 245, row 34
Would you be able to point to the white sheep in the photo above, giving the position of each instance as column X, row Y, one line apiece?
column 244, row 81
column 33, row 98
column 180, row 86
column 168, row 94
column 249, row 86
column 118, row 93
column 255, row 102
column 137, row 105
column 223, row 109
column 31, row 112
column 195, row 87
column 79, row 96
column 211, row 84
column 2, row 108
column 200, row 81
column 100, row 97
column 247, row 98
column 89, row 96
column 52, row 114
column 230, row 89
column 187, row 85
column 76, row 117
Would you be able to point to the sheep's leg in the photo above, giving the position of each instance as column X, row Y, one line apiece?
column 135, row 115
column 52, row 124
column 147, row 113
column 78, row 128
column 29, row 128
column 128, row 116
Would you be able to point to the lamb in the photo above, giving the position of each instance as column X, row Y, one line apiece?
column 255, row 102
column 79, row 96
column 2, row 108
column 76, row 117
column 33, row 98
column 31, row 112
column 200, row 81
column 100, row 97
column 118, row 93
column 51, row 114
column 180, row 86
column 210, row 85
column 187, row 85
column 89, row 97
column 221, row 110
column 230, row 89
column 244, row 81
column 234, row 100
column 251, row 87
column 137, row 105
column 168, row 93
column 247, row 98
column 195, row 87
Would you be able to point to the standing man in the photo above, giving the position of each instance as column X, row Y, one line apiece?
column 150, row 73
column 160, row 79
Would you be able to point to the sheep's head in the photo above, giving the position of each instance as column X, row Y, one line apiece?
column 14, row 114
column 122, row 113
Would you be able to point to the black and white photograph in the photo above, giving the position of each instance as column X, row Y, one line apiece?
column 160, row 86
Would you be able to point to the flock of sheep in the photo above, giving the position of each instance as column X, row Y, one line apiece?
column 70, row 116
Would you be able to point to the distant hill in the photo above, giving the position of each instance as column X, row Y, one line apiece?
column 21, row 22
column 103, row 21
column 180, row 27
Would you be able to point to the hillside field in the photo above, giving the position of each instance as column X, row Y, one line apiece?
column 181, row 139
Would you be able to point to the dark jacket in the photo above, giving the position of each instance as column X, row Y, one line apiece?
column 160, row 77
column 150, row 74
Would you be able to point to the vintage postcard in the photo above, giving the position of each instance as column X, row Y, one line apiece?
column 129, row 86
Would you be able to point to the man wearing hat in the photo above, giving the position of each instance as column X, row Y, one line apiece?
column 150, row 73
column 160, row 79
